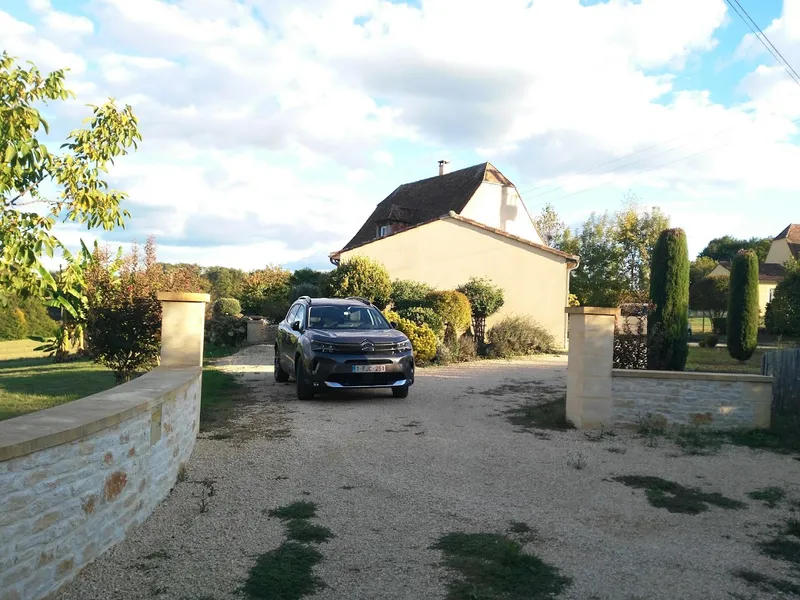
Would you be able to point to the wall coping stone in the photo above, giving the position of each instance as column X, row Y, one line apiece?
column 592, row 310
column 71, row 421
column 183, row 297
column 692, row 376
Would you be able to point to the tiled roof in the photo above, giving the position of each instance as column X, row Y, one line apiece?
column 792, row 235
column 767, row 272
column 427, row 199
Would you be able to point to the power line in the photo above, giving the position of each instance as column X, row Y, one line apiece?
column 765, row 41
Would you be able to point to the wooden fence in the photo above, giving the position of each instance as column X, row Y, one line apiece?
column 784, row 366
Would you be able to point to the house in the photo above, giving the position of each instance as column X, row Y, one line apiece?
column 785, row 247
column 468, row 223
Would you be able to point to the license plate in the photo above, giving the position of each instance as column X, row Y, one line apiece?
column 369, row 368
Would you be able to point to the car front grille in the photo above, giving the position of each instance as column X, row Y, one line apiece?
column 377, row 348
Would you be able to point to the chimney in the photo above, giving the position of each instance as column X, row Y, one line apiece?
column 443, row 168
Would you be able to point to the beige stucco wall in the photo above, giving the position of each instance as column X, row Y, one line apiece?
column 779, row 252
column 500, row 206
column 763, row 295
column 447, row 252
column 719, row 270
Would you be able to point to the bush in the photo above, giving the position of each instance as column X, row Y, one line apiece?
column 518, row 336
column 423, row 339
column 362, row 277
column 265, row 286
column 719, row 325
column 422, row 315
column 226, row 330
column 485, row 299
column 408, row 294
column 124, row 335
column 13, row 324
column 20, row 319
column 303, row 289
column 39, row 322
column 743, row 310
column 668, row 322
column 467, row 348
column 454, row 309
column 702, row 343
column 274, row 310
column 711, row 341
column 630, row 347
column 783, row 312
column 227, row 306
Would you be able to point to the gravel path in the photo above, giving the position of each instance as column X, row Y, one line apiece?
column 390, row 476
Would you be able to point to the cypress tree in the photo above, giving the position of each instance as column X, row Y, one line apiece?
column 668, row 321
column 743, row 311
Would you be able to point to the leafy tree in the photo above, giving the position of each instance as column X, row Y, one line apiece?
column 710, row 295
column 407, row 294
column 227, row 306
column 303, row 289
column 27, row 212
column 184, row 276
column 301, row 276
column 726, row 247
column 783, row 312
column 550, row 227
column 363, row 277
column 224, row 282
column 485, row 299
column 266, row 291
column 636, row 232
column 743, row 310
column 668, row 322
column 700, row 267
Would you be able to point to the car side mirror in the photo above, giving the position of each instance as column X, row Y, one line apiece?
column 296, row 325
column 393, row 324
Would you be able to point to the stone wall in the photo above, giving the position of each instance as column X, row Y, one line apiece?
column 718, row 400
column 259, row 331
column 75, row 478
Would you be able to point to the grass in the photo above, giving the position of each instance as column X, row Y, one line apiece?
column 296, row 510
column 219, row 391
column 783, row 438
column 492, row 566
column 717, row 360
column 675, row 497
column 771, row 496
column 285, row 573
column 550, row 415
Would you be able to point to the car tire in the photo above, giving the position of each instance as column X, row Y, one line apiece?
column 400, row 392
column 305, row 389
column 281, row 376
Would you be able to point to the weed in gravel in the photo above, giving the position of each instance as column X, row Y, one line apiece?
column 183, row 473
column 616, row 450
column 521, row 531
column 537, row 415
column 302, row 531
column 494, row 567
column 158, row 554
column 295, row 510
column 771, row 496
column 675, row 497
column 651, row 427
column 599, row 434
column 284, row 573
column 348, row 487
column 577, row 462
column 766, row 583
column 793, row 527
column 696, row 440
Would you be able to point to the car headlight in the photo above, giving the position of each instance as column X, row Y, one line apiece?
column 322, row 347
column 403, row 346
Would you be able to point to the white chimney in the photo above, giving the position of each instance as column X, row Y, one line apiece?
column 443, row 168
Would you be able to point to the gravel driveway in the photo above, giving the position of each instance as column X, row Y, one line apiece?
column 391, row 476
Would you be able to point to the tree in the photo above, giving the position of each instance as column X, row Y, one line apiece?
column 407, row 294
column 726, row 247
column 266, row 292
column 225, row 282
column 710, row 295
column 454, row 308
column 29, row 170
column 550, row 227
column 699, row 268
column 668, row 322
column 363, row 277
column 485, row 299
column 783, row 312
column 301, row 276
column 743, row 310
column 636, row 231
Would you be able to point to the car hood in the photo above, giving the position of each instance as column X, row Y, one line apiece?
column 356, row 336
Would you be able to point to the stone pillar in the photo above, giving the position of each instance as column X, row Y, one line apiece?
column 591, row 359
column 255, row 331
column 182, row 328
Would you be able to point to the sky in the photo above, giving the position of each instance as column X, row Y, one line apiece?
column 271, row 128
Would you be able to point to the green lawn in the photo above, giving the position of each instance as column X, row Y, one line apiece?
column 718, row 360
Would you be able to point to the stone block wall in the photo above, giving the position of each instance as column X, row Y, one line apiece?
column 261, row 332
column 718, row 400
column 65, row 505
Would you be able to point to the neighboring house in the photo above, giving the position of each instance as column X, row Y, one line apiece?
column 785, row 247
column 468, row 223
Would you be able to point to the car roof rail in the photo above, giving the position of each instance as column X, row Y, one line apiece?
column 360, row 299
column 308, row 298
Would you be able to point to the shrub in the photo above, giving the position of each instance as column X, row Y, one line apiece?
column 702, row 343
column 363, row 277
column 783, row 312
column 719, row 325
column 227, row 306
column 423, row 339
column 743, row 311
column 274, row 310
column 454, row 309
column 422, row 315
column 39, row 322
column 630, row 347
column 668, row 322
column 711, row 341
column 124, row 335
column 518, row 336
column 226, row 330
column 265, row 286
column 710, row 295
column 467, row 348
column 485, row 299
column 13, row 324
column 304, row 289
column 407, row 294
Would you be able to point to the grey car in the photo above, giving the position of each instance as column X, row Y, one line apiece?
column 341, row 343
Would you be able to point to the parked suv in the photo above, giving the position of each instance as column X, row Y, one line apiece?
column 335, row 343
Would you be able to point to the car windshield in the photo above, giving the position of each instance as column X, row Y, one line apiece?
column 342, row 316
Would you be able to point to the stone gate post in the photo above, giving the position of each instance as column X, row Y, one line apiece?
column 182, row 328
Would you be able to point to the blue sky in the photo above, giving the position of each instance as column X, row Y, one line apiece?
column 272, row 127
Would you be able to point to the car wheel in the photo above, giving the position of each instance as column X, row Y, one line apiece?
column 400, row 392
column 281, row 376
column 305, row 389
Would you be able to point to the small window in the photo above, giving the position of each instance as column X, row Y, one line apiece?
column 383, row 230
column 301, row 315
column 291, row 316
column 771, row 294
